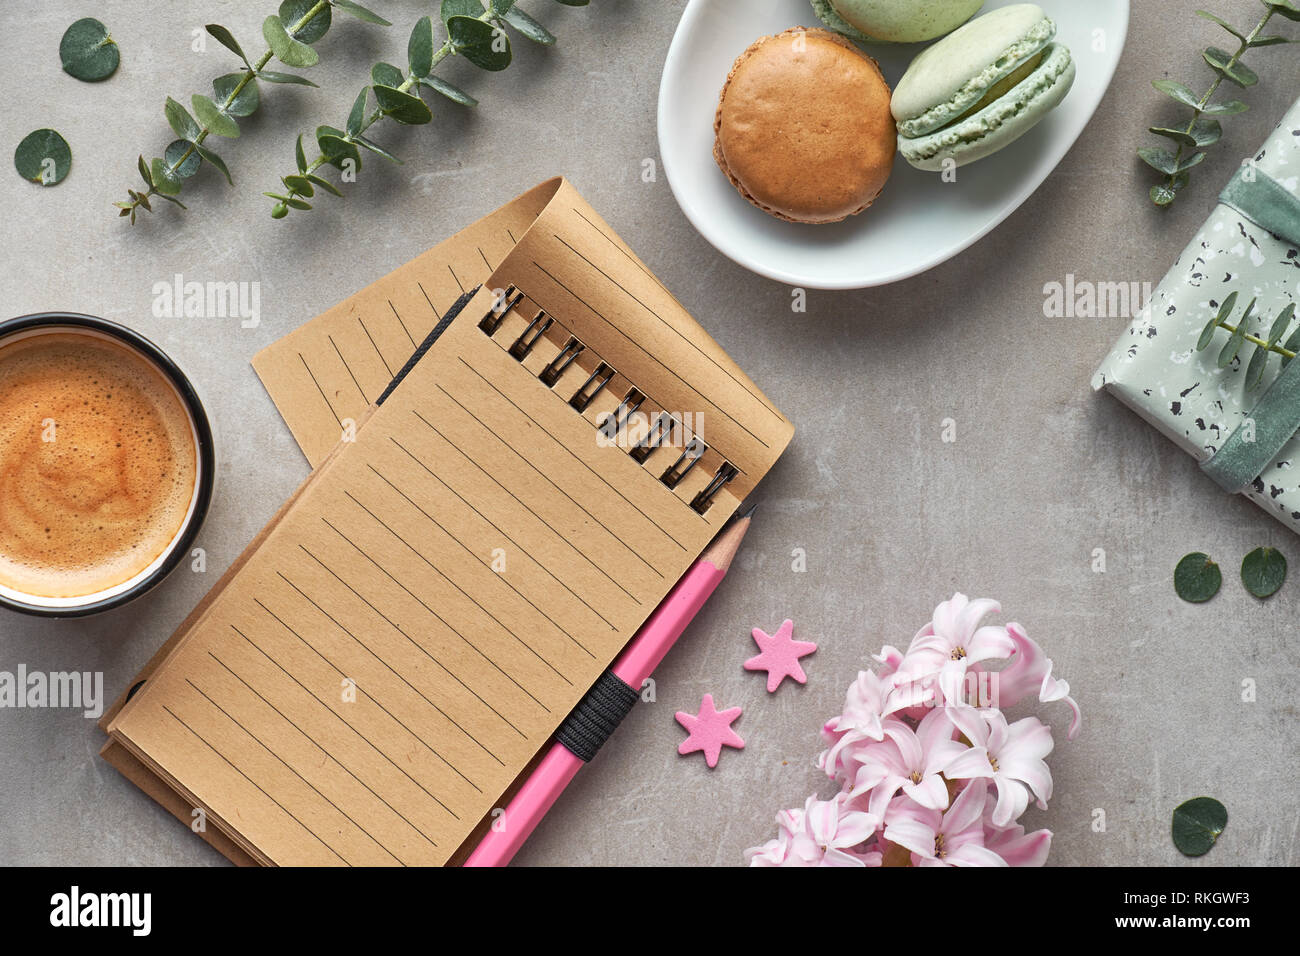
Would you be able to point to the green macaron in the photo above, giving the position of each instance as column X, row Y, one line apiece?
column 895, row 21
column 981, row 88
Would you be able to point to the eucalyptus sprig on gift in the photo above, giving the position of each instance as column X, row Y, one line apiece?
column 1203, row 129
column 1281, row 339
column 290, row 35
column 475, row 30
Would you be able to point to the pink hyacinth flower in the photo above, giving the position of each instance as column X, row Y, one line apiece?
column 908, row 760
column 860, row 721
column 1012, row 843
column 952, row 641
column 954, row 838
column 1009, row 755
column 1030, row 672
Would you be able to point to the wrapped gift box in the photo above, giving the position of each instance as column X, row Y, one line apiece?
column 1244, row 437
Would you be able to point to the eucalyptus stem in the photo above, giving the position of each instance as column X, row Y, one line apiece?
column 289, row 36
column 1204, row 130
column 1273, row 347
column 298, row 195
column 475, row 30
column 1198, row 111
column 1283, row 339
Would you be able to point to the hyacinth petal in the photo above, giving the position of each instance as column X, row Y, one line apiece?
column 991, row 642
column 1054, row 689
column 930, row 793
column 820, row 820
column 947, row 616
column 973, row 855
column 912, row 835
column 968, row 809
column 1028, row 849
column 967, row 624
column 878, row 802
column 834, row 857
column 970, row 722
column 909, row 747
column 868, row 777
column 889, row 658
column 934, row 729
column 854, row 828
column 973, row 762
column 999, row 734
column 1028, row 737
column 1034, row 773
column 1013, row 799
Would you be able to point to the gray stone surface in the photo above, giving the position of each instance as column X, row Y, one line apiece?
column 893, row 520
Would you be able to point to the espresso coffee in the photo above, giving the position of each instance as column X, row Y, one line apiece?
column 98, row 463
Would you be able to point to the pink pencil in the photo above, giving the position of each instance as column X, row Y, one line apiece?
column 637, row 662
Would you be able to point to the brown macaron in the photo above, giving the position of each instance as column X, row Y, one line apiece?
column 803, row 127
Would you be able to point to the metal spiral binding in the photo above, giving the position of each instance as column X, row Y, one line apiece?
column 531, row 335
column 724, row 474
column 659, row 433
column 507, row 301
column 592, row 387
column 558, row 365
column 692, row 453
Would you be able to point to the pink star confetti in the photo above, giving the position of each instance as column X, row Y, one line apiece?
column 710, row 730
column 780, row 655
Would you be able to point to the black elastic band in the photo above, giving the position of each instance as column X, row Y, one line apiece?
column 597, row 716
column 427, row 343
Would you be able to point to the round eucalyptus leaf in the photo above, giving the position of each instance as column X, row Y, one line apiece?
column 460, row 8
column 227, row 39
column 324, row 184
column 1197, row 825
column 43, row 157
column 292, row 11
column 183, row 169
column 164, row 180
column 335, row 148
column 1263, row 571
column 215, row 160
column 1197, row 578
column 448, row 90
column 419, row 49
column 358, row 114
column 403, row 107
column 180, row 120
column 300, row 185
column 484, row 45
column 292, row 78
column 248, row 100
column 529, row 27
column 385, row 74
column 88, row 52
column 212, row 116
column 287, row 50
column 361, row 13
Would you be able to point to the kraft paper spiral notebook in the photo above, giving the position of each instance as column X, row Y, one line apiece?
column 377, row 668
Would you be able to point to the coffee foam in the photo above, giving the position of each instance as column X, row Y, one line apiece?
column 97, row 464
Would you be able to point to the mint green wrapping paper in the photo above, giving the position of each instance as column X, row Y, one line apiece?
column 1154, row 367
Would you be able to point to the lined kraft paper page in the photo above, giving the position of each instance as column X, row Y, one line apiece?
column 330, row 369
column 377, row 582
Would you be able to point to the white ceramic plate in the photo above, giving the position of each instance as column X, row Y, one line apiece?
column 919, row 221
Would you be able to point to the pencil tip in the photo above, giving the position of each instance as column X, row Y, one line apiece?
column 749, row 512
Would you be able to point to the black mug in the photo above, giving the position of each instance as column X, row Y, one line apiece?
column 175, row 552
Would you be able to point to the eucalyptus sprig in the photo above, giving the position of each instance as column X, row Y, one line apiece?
column 475, row 30
column 1259, row 348
column 290, row 35
column 1203, row 130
